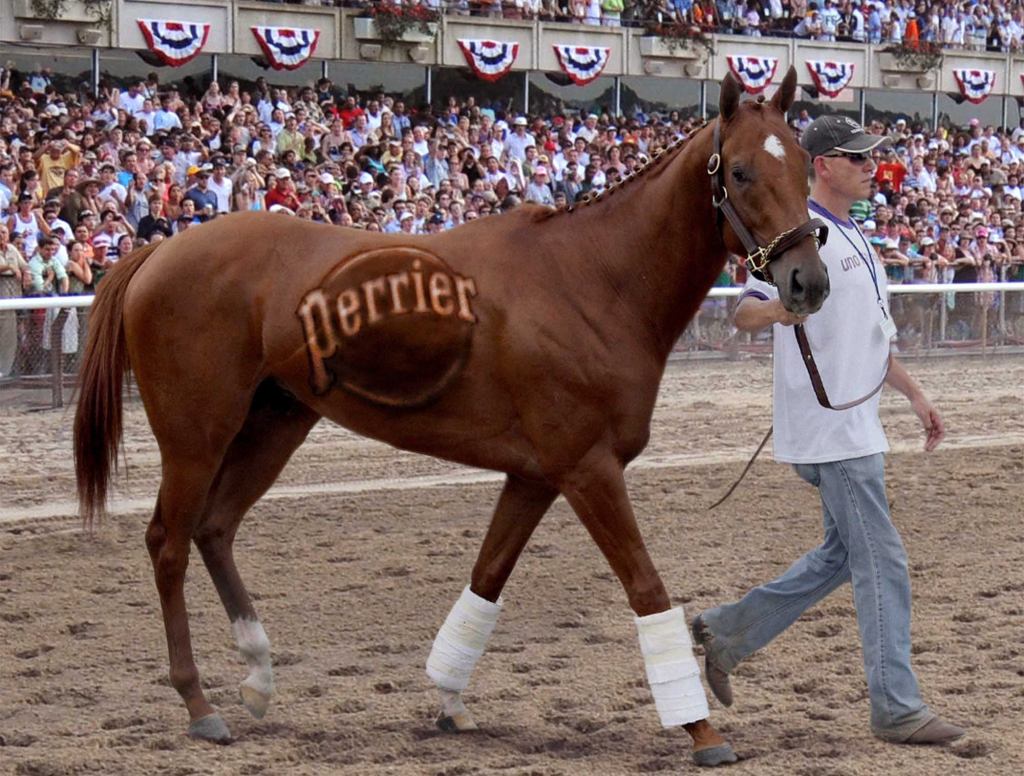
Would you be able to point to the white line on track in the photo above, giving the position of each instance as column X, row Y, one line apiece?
column 67, row 510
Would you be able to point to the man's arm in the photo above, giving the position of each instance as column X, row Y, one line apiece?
column 900, row 379
column 10, row 261
column 36, row 280
column 753, row 314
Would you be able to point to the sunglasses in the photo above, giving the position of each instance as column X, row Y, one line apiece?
column 855, row 158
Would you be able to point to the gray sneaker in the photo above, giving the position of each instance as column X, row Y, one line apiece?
column 934, row 732
column 717, row 679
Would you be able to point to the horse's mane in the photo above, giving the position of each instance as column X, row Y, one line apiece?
column 658, row 160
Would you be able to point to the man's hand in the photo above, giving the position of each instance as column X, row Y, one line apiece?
column 784, row 316
column 900, row 379
column 753, row 314
column 930, row 419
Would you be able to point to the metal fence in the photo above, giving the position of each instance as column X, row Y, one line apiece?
column 42, row 339
column 931, row 319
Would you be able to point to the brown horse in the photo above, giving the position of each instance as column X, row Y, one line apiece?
column 531, row 343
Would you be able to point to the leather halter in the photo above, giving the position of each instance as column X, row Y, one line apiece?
column 758, row 257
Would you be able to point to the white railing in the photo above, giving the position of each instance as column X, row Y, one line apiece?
column 45, row 302
column 50, row 302
column 915, row 288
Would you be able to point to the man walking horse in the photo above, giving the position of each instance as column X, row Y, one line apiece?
column 532, row 343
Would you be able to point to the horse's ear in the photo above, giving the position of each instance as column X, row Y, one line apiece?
column 783, row 99
column 729, row 97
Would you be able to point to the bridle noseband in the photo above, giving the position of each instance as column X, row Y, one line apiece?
column 758, row 258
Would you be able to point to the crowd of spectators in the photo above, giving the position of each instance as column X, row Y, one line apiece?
column 84, row 180
column 979, row 25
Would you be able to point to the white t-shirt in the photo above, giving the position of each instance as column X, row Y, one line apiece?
column 116, row 192
column 131, row 104
column 223, row 191
column 849, row 348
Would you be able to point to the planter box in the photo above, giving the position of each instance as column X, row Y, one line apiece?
column 888, row 63
column 366, row 29
column 73, row 11
column 653, row 46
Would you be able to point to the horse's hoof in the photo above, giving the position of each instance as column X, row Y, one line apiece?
column 715, row 755
column 255, row 701
column 459, row 722
column 210, row 728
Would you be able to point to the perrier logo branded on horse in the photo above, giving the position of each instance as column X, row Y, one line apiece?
column 391, row 325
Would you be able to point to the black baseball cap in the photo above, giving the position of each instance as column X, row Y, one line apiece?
column 838, row 133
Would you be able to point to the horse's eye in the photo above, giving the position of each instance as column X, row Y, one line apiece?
column 739, row 175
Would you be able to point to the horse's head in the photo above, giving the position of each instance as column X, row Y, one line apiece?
column 759, row 181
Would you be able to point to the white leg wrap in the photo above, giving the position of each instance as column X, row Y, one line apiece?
column 462, row 640
column 672, row 670
column 255, row 648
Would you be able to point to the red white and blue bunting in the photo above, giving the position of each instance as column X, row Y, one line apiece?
column 755, row 73
column 287, row 48
column 489, row 59
column 975, row 85
column 175, row 43
column 582, row 63
column 830, row 78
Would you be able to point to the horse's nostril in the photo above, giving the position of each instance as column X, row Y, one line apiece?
column 796, row 288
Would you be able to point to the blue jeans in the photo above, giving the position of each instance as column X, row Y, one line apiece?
column 861, row 546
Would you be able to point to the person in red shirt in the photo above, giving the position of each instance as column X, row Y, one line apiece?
column 911, row 35
column 350, row 112
column 283, row 192
column 891, row 169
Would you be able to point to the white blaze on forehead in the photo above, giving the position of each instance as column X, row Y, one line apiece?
column 773, row 145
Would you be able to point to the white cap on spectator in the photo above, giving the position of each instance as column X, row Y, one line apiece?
column 927, row 241
column 326, row 178
column 283, row 172
column 869, row 224
column 282, row 209
column 364, row 178
column 406, row 215
column 890, row 243
column 501, row 125
column 520, row 121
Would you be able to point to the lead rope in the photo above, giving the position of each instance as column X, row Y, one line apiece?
column 746, row 468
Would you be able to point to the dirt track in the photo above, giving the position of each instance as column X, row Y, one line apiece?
column 354, row 566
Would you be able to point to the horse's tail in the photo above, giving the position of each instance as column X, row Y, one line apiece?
column 100, row 383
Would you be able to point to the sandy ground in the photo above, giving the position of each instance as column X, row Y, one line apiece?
column 356, row 556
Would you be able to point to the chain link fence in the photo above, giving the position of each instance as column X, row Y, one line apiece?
column 931, row 319
column 42, row 339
